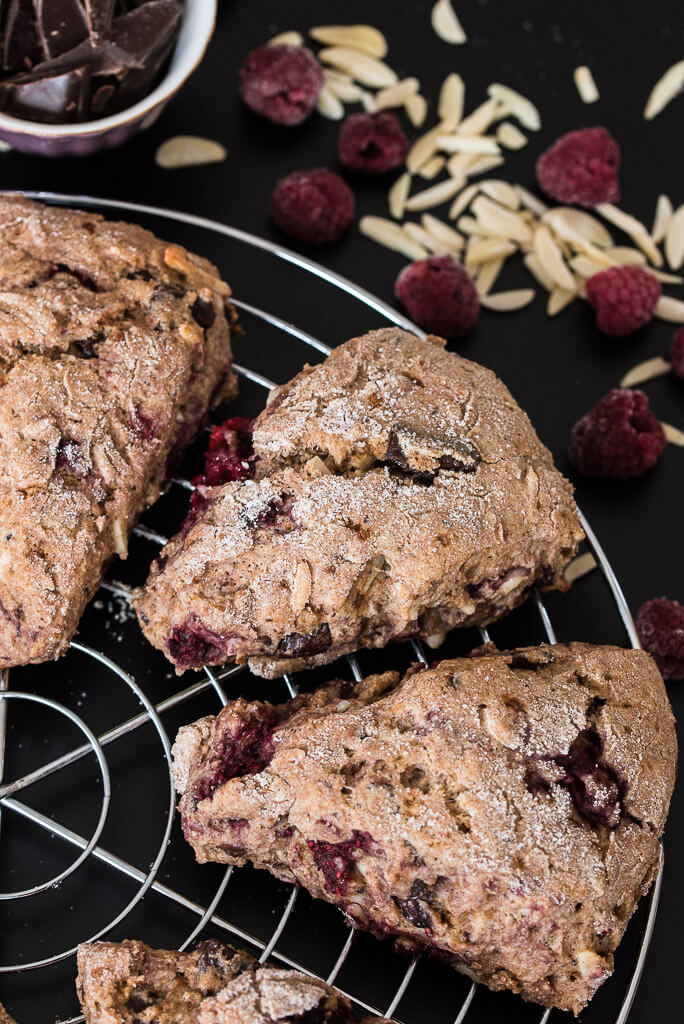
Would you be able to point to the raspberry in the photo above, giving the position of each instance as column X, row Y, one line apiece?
column 624, row 298
column 230, row 453
column 281, row 83
column 372, row 143
column 660, row 625
column 677, row 353
column 439, row 294
column 313, row 206
column 582, row 168
column 619, row 437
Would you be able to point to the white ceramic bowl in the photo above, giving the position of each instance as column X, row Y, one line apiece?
column 199, row 17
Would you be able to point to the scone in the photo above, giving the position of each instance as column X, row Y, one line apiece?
column 5, row 1017
column 501, row 811
column 398, row 491
column 129, row 983
column 113, row 345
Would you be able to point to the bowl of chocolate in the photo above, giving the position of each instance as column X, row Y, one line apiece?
column 77, row 76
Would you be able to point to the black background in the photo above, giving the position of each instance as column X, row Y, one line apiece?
column 556, row 368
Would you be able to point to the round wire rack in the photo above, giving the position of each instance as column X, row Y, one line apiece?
column 152, row 889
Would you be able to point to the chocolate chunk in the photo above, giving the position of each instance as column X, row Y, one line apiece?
column 59, row 98
column 99, row 14
column 422, row 458
column 21, row 48
column 203, row 312
column 60, row 24
column 532, row 659
column 303, row 645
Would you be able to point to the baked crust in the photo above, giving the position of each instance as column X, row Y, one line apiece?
column 5, row 1017
column 399, row 491
column 124, row 982
column 113, row 345
column 503, row 811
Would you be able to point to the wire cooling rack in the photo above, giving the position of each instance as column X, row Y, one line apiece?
column 151, row 888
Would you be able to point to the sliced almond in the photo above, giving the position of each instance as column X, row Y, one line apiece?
column 538, row 273
column 487, row 275
column 551, row 258
column 451, row 100
column 356, row 37
column 396, row 95
column 558, row 299
column 486, row 144
column 364, row 69
column 446, row 24
column 480, row 119
column 432, row 167
column 580, row 566
column 444, row 232
column 290, row 38
column 416, row 110
column 188, row 151
column 177, row 258
column 461, row 201
column 502, row 192
column 510, row 137
column 577, row 225
column 673, row 434
column 482, row 250
column 647, row 370
column 586, row 86
column 632, row 227
column 670, row 309
column 674, row 239
column 501, row 221
column 504, row 302
column 531, row 202
column 398, row 195
column 665, row 90
column 435, row 195
column 386, row 232
column 515, row 104
column 662, row 218
column 329, row 105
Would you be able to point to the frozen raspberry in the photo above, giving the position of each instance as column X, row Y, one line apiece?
column 372, row 143
column 336, row 861
column 660, row 625
column 624, row 298
column 229, row 454
column 582, row 168
column 677, row 353
column 619, row 437
column 439, row 294
column 313, row 206
column 281, row 83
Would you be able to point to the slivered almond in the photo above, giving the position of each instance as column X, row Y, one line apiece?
column 666, row 278
column 188, row 151
column 586, row 86
column 416, row 110
column 461, row 201
column 446, row 24
column 459, row 163
column 662, row 218
column 558, row 299
column 502, row 192
column 177, row 258
column 530, row 201
column 550, row 257
column 470, row 226
column 423, row 148
column 665, row 90
column 389, row 234
column 348, row 92
column 484, row 249
column 538, row 273
column 503, row 302
column 515, row 104
column 434, row 195
column 485, row 144
column 290, row 38
column 626, row 256
column 356, row 37
column 398, row 195
column 632, row 227
column 501, row 221
column 510, row 137
column 674, row 239
column 573, row 224
column 444, row 232
column 364, row 69
column 586, row 267
column 368, row 101
column 580, row 566
column 480, row 119
column 647, row 370
column 432, row 167
column 329, row 105
column 673, row 434
column 396, row 95
column 487, row 275
column 451, row 99
column 483, row 164
column 424, row 238
column 670, row 309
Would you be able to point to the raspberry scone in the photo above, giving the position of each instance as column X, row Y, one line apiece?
column 113, row 345
column 4, row 1016
column 398, row 491
column 501, row 811
column 129, row 983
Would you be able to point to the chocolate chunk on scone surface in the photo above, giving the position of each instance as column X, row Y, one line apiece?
column 503, row 811
column 105, row 375
column 399, row 491
column 215, row 984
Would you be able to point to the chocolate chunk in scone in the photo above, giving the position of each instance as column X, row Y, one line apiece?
column 398, row 491
column 501, row 811
column 105, row 376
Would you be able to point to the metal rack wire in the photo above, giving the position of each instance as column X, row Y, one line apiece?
column 87, row 848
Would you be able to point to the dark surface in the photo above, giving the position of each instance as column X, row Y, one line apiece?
column 556, row 369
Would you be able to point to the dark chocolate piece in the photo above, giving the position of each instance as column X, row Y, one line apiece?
column 99, row 14
column 54, row 99
column 61, row 24
column 21, row 47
